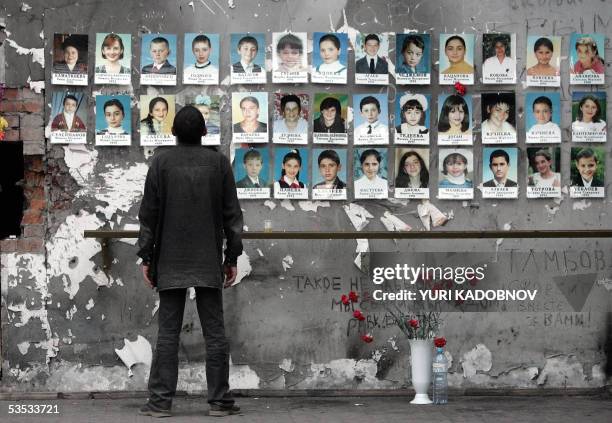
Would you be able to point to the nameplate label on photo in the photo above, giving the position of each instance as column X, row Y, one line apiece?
column 455, row 193
column 410, row 193
column 328, row 77
column 211, row 139
column 372, row 78
column 499, row 137
column 195, row 78
column 372, row 139
column 250, row 138
column 157, row 140
column 587, row 78
column 499, row 78
column 587, row 192
column 248, row 78
column 253, row 193
column 64, row 137
column 290, row 77
column 329, row 138
column 500, row 192
column 69, row 78
column 455, row 139
column 328, row 194
column 113, row 78
column 543, row 137
column 371, row 193
column 289, row 138
column 543, row 81
column 411, row 139
column 113, row 139
column 452, row 78
column 543, row 192
column 291, row 193
column 157, row 79
column 413, row 78
column 586, row 135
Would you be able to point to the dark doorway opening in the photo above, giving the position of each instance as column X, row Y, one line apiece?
column 11, row 188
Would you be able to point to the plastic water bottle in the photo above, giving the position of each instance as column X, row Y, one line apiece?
column 440, row 382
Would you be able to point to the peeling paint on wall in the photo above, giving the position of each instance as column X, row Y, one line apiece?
column 312, row 205
column 477, row 359
column 38, row 54
column 133, row 352
column 358, row 215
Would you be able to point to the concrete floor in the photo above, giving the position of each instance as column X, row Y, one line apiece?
column 500, row 409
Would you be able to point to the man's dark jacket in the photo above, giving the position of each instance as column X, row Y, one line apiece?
column 189, row 203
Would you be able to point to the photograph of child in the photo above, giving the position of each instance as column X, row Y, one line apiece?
column 412, row 173
column 371, row 52
column 290, row 118
column 588, row 112
column 251, row 170
column 371, row 125
column 68, row 117
column 248, row 58
column 455, row 180
column 209, row 106
column 543, row 64
column 249, row 117
column 329, row 58
column 499, row 172
column 456, row 59
column 113, row 59
column 413, row 58
column 412, row 116
column 499, row 65
column 370, row 173
column 291, row 173
column 113, row 120
column 543, row 181
column 543, row 117
column 156, row 117
column 158, row 53
column 201, row 61
column 587, row 172
column 329, row 120
column 587, row 64
column 499, row 111
column 289, row 63
column 454, row 123
column 69, row 59
column 329, row 174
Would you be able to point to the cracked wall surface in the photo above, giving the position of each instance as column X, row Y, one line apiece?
column 64, row 316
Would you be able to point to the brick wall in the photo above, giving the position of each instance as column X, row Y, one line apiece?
column 23, row 110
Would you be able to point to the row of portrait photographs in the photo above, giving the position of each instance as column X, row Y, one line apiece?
column 371, row 179
column 413, row 64
column 291, row 117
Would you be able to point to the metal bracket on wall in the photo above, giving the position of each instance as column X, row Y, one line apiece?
column 106, row 236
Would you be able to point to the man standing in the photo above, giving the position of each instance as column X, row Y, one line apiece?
column 189, row 204
column 499, row 163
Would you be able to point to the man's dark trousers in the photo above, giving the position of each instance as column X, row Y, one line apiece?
column 164, row 369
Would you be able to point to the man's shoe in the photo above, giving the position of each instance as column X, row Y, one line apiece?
column 150, row 410
column 223, row 410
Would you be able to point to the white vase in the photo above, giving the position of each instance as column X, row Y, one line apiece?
column 420, row 358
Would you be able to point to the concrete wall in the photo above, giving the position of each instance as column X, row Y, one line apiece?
column 63, row 318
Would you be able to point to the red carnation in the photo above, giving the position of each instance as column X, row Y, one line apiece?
column 414, row 323
column 345, row 300
column 353, row 296
column 357, row 314
column 460, row 88
column 440, row 342
column 367, row 338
